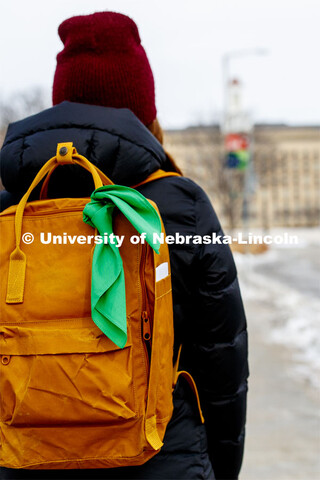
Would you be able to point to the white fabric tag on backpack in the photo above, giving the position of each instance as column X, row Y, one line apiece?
column 162, row 271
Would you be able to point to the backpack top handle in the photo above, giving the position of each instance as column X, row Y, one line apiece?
column 66, row 154
column 70, row 155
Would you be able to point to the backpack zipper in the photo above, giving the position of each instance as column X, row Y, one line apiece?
column 145, row 317
column 54, row 212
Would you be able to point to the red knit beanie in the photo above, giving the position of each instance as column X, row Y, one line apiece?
column 104, row 63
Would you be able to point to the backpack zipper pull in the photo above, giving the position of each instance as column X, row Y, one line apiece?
column 146, row 326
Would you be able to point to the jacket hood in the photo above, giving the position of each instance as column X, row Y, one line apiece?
column 112, row 139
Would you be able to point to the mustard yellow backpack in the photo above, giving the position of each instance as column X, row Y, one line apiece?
column 86, row 328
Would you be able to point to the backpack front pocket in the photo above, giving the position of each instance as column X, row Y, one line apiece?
column 58, row 376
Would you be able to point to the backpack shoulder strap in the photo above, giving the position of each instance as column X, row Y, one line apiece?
column 156, row 175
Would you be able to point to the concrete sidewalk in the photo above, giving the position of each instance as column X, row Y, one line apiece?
column 283, row 426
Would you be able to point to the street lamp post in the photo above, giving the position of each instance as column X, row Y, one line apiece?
column 239, row 122
column 227, row 57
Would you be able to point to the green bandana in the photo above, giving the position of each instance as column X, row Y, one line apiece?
column 108, row 297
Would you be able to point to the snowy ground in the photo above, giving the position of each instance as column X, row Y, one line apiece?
column 288, row 278
column 280, row 289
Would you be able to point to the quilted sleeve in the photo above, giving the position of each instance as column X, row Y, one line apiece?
column 215, row 351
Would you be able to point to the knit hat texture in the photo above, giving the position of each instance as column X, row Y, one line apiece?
column 104, row 63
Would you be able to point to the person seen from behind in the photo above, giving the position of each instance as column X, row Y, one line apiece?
column 104, row 102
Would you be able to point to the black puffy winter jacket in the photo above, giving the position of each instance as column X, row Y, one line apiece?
column 209, row 319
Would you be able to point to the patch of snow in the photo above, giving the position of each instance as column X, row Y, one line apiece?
column 282, row 279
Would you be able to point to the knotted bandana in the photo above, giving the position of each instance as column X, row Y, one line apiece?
column 108, row 297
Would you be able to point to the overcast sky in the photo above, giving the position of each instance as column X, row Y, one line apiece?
column 185, row 41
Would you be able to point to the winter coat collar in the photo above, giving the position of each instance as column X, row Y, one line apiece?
column 113, row 139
